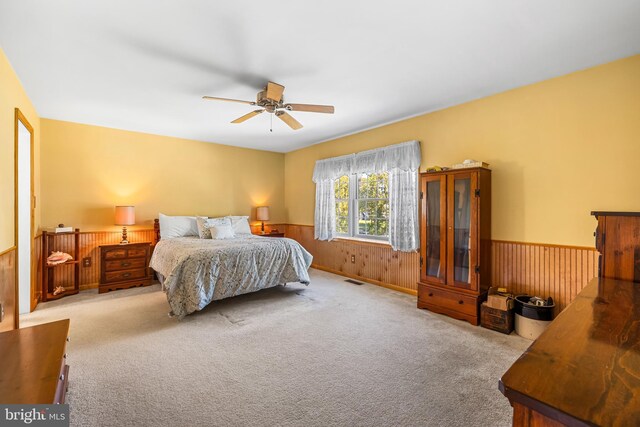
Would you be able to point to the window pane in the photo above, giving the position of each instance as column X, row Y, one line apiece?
column 342, row 225
column 342, row 188
column 373, row 204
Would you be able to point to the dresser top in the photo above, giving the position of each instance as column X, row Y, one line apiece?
column 31, row 362
column 585, row 368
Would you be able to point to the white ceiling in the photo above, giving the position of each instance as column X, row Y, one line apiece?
column 144, row 65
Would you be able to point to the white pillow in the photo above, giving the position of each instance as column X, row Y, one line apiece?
column 177, row 226
column 204, row 223
column 221, row 231
column 240, row 224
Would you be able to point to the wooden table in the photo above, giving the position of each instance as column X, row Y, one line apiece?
column 34, row 368
column 585, row 368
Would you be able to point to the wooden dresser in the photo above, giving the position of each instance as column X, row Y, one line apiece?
column 34, row 364
column 125, row 266
column 455, row 238
column 618, row 241
column 585, row 368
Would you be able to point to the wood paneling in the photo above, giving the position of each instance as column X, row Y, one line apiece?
column 524, row 268
column 8, row 288
column 374, row 262
column 543, row 270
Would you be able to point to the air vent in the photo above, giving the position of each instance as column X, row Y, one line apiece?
column 354, row 282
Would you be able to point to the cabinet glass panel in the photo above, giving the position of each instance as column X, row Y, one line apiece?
column 462, row 230
column 433, row 229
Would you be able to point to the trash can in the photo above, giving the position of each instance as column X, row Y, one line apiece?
column 532, row 319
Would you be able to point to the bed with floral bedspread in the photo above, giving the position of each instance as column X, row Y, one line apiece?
column 197, row 271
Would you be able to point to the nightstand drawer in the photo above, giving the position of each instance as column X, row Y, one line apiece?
column 115, row 253
column 137, row 252
column 123, row 275
column 125, row 264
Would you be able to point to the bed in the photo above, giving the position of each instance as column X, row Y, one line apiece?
column 194, row 272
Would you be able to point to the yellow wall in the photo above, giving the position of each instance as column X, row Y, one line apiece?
column 12, row 96
column 558, row 149
column 87, row 170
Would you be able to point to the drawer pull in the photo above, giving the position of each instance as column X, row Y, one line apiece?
column 460, row 302
column 125, row 264
column 430, row 294
column 126, row 275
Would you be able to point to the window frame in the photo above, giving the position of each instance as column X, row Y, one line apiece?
column 353, row 211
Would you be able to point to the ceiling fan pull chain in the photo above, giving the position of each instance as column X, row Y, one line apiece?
column 271, row 120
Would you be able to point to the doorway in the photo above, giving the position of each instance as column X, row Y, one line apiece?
column 24, row 215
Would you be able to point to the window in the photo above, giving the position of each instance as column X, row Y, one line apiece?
column 362, row 205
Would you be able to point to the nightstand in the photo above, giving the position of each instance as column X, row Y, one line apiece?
column 125, row 266
column 279, row 234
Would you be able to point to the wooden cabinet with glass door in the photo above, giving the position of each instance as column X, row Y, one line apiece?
column 455, row 238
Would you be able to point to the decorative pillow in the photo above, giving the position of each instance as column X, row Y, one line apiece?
column 221, row 231
column 240, row 224
column 204, row 223
column 177, row 226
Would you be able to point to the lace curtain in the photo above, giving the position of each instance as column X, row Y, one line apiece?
column 402, row 162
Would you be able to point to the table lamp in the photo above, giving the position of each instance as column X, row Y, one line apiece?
column 125, row 215
column 262, row 214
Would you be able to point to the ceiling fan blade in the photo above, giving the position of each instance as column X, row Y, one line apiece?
column 247, row 116
column 275, row 91
column 290, row 121
column 328, row 109
column 215, row 98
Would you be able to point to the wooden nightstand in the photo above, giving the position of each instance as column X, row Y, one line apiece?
column 125, row 266
column 279, row 234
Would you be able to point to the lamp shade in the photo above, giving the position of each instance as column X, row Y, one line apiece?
column 262, row 213
column 125, row 215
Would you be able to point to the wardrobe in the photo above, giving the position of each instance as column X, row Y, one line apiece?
column 455, row 242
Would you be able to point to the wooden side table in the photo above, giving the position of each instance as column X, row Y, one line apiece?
column 125, row 266
column 278, row 234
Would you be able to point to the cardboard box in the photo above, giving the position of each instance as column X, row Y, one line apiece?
column 499, row 301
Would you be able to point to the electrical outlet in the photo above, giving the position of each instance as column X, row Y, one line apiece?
column 86, row 262
column 353, row 259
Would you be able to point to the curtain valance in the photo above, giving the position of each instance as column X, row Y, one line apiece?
column 404, row 156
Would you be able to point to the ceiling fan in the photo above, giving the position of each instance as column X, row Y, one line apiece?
column 271, row 101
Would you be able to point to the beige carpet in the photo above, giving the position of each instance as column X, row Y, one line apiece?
column 331, row 354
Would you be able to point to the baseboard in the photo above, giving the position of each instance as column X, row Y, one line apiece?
column 366, row 279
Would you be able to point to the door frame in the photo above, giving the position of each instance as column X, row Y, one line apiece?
column 20, row 118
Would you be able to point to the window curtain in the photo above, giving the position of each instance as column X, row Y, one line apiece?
column 402, row 162
column 325, row 217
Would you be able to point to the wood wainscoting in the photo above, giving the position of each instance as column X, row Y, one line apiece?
column 524, row 268
column 8, row 289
